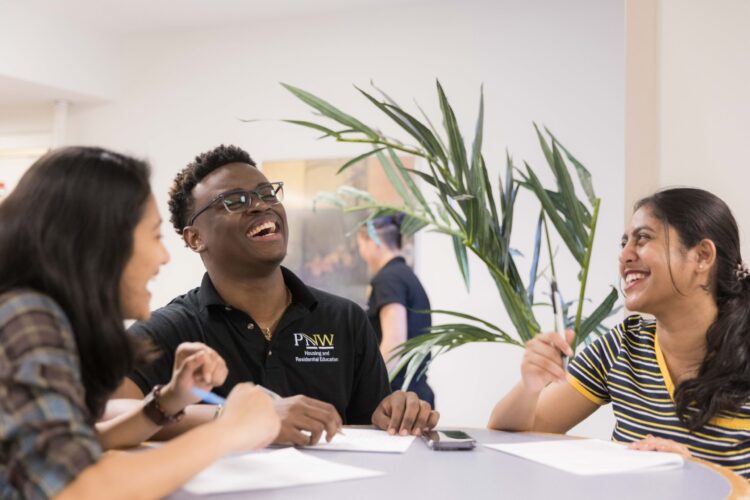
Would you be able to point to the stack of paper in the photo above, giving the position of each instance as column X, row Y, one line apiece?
column 591, row 456
column 365, row 440
column 276, row 469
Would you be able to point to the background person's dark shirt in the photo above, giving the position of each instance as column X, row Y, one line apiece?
column 323, row 347
column 396, row 283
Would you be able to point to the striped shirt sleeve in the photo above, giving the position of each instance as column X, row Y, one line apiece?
column 588, row 370
column 47, row 437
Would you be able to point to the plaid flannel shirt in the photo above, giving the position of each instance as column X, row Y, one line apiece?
column 45, row 430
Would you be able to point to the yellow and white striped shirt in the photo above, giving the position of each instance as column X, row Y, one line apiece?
column 626, row 367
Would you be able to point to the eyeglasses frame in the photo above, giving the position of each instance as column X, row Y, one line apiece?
column 277, row 185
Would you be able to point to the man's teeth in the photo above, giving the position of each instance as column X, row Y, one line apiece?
column 631, row 277
column 270, row 226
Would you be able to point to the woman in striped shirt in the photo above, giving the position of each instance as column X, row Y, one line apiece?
column 679, row 382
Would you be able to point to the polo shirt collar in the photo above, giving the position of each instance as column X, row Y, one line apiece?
column 208, row 296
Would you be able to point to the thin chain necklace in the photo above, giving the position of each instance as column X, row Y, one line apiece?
column 268, row 331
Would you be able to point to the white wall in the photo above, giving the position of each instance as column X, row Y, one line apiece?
column 559, row 63
column 35, row 46
column 705, row 105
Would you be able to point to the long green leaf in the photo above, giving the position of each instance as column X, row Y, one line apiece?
column 584, row 176
column 535, row 258
column 432, row 126
column 359, row 158
column 410, row 225
column 413, row 126
column 330, row 111
column 545, row 147
column 329, row 198
column 586, row 262
column 570, row 239
column 596, row 317
column 316, row 126
column 355, row 194
column 395, row 179
column 462, row 260
column 455, row 141
column 560, row 205
column 415, row 191
column 567, row 191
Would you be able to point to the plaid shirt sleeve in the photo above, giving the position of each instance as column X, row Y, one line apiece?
column 47, row 437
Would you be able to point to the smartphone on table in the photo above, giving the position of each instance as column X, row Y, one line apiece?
column 444, row 440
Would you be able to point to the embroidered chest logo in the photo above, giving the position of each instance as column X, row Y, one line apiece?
column 315, row 347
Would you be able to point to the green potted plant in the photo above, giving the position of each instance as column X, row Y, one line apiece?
column 476, row 214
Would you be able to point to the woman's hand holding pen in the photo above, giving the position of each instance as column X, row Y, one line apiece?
column 195, row 365
column 542, row 362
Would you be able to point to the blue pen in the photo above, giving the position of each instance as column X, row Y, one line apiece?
column 210, row 397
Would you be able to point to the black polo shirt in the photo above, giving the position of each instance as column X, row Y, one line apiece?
column 323, row 347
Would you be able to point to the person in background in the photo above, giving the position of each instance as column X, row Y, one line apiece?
column 396, row 297
column 679, row 382
column 315, row 350
column 79, row 241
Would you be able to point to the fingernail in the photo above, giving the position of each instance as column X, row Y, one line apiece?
column 391, row 431
column 404, row 432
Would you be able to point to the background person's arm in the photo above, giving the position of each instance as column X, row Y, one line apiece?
column 393, row 326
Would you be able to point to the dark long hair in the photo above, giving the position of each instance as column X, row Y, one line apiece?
column 723, row 380
column 67, row 231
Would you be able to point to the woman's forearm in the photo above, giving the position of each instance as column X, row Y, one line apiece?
column 516, row 411
column 129, row 426
column 158, row 471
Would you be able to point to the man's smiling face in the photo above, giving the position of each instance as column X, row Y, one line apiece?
column 255, row 237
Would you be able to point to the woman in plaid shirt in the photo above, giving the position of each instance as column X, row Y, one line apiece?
column 79, row 242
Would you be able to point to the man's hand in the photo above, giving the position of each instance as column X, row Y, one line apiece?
column 404, row 413
column 303, row 420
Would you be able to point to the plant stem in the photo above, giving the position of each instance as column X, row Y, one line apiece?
column 585, row 270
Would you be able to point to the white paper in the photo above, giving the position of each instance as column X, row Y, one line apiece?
column 276, row 469
column 591, row 456
column 365, row 440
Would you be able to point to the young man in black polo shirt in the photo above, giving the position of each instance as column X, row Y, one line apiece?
column 318, row 351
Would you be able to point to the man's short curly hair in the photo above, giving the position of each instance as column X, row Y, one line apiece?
column 181, row 202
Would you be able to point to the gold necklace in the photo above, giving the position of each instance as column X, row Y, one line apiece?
column 268, row 331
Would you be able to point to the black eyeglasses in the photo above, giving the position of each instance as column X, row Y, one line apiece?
column 239, row 200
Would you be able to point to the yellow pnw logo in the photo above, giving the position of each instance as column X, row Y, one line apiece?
column 314, row 340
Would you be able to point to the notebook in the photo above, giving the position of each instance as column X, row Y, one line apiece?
column 591, row 456
column 271, row 470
